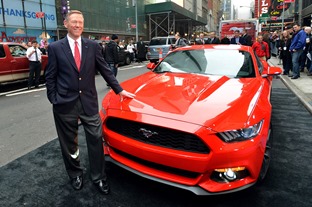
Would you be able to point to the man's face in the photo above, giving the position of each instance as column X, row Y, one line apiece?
column 236, row 34
column 296, row 28
column 34, row 44
column 201, row 36
column 212, row 35
column 74, row 25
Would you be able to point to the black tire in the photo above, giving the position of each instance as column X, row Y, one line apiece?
column 267, row 156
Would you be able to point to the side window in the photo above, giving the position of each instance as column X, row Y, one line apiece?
column 17, row 50
column 259, row 63
column 2, row 53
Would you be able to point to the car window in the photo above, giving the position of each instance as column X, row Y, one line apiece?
column 17, row 50
column 2, row 53
column 171, row 41
column 158, row 41
column 231, row 63
column 259, row 64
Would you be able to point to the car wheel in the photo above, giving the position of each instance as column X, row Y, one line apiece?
column 127, row 60
column 267, row 156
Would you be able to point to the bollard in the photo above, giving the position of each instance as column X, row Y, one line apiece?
column 160, row 54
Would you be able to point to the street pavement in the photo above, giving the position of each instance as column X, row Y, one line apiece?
column 301, row 87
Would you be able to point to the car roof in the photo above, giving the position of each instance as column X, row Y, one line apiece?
column 9, row 43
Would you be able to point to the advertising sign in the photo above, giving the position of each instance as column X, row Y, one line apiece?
column 14, row 14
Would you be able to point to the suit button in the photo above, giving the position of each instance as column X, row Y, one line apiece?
column 79, row 78
column 80, row 91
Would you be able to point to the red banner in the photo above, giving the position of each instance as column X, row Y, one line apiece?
column 289, row 1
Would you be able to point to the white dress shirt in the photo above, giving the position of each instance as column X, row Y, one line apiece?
column 32, row 57
column 72, row 44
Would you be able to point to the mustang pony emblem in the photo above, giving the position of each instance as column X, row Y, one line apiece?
column 147, row 133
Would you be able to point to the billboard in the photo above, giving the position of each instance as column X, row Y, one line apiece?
column 16, row 16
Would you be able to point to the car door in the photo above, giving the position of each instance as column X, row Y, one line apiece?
column 5, row 69
column 20, row 63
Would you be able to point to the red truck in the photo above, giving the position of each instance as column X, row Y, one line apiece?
column 14, row 65
column 227, row 27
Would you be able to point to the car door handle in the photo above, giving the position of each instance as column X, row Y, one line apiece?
column 13, row 61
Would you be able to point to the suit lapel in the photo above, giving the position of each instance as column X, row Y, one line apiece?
column 84, row 52
column 68, row 53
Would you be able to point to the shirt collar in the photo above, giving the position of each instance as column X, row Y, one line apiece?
column 71, row 41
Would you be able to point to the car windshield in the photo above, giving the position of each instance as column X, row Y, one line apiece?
column 224, row 62
column 158, row 41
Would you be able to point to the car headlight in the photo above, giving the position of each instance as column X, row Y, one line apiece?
column 241, row 134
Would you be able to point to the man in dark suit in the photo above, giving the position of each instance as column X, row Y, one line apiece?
column 213, row 39
column 70, row 81
column 237, row 39
column 247, row 38
column 201, row 40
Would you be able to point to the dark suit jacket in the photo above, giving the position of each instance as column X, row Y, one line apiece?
column 214, row 41
column 65, row 84
column 241, row 41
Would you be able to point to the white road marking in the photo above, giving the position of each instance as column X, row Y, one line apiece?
column 24, row 92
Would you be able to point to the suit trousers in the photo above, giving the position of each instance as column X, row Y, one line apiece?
column 34, row 68
column 67, row 130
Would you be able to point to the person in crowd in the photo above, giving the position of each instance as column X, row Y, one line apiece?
column 304, row 61
column 284, row 52
column 33, row 54
column 131, row 48
column 237, row 39
column 261, row 48
column 24, row 44
column 213, row 39
column 179, row 41
column 70, row 81
column 274, row 42
column 298, row 43
column 201, row 40
column 225, row 40
column 309, row 56
column 141, row 50
column 266, row 38
column 247, row 38
column 111, row 54
column 43, row 41
column 44, row 50
column 29, row 44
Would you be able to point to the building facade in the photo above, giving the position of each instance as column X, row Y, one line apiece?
column 27, row 20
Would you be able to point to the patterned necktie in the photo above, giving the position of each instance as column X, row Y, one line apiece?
column 77, row 56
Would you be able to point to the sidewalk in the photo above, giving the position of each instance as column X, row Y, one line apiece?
column 301, row 87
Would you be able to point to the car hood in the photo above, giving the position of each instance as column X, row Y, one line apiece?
column 198, row 99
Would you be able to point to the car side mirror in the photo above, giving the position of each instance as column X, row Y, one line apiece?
column 151, row 66
column 271, row 71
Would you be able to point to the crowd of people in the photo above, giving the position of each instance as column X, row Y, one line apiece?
column 292, row 46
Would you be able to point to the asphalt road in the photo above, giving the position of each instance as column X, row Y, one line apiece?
column 26, row 120
column 38, row 178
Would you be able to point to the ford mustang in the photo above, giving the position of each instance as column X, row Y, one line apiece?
column 200, row 121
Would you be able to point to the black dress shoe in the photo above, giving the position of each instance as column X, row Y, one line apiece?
column 102, row 186
column 77, row 182
column 309, row 74
column 294, row 77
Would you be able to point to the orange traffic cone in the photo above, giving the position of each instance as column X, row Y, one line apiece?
column 160, row 55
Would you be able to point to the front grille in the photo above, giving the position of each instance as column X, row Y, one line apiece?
column 163, row 168
column 156, row 135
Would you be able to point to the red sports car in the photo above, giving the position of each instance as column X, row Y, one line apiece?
column 201, row 120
